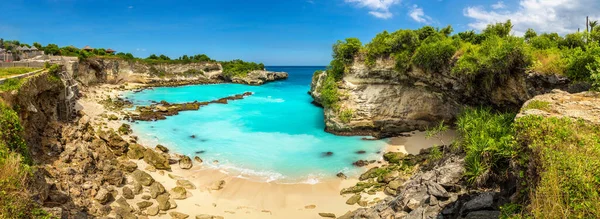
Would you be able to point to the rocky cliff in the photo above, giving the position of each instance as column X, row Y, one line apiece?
column 381, row 101
column 114, row 71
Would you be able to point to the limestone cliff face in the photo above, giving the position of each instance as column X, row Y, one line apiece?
column 384, row 102
column 93, row 71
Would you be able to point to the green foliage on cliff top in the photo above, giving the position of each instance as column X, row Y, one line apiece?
column 11, row 84
column 484, row 57
column 240, row 68
column 566, row 156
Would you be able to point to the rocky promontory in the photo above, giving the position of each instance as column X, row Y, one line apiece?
column 379, row 100
column 259, row 77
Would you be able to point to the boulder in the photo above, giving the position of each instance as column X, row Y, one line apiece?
column 135, row 152
column 162, row 148
column 124, row 205
column 177, row 215
column 156, row 159
column 128, row 166
column 137, row 188
column 152, row 211
column 217, row 185
column 185, row 162
column 142, row 177
column 328, row 215
column 128, row 193
column 178, row 193
column 353, row 200
column 185, row 184
column 198, row 159
column 103, row 195
column 156, row 189
column 144, row 204
column 163, row 202
column 482, row 201
column 124, row 213
column 342, row 175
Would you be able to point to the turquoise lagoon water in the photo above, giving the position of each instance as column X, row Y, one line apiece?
column 274, row 135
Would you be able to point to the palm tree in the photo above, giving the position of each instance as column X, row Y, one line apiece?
column 592, row 25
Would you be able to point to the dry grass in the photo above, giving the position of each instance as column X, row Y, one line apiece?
column 567, row 157
column 5, row 72
column 14, row 197
column 549, row 62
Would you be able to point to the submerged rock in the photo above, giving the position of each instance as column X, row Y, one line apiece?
column 327, row 154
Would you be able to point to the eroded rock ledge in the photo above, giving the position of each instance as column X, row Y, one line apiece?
column 161, row 110
column 259, row 77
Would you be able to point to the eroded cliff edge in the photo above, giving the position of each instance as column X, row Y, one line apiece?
column 101, row 70
column 379, row 100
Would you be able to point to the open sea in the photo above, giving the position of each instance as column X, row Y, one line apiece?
column 276, row 134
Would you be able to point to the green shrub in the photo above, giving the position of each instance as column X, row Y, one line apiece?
column 346, row 51
column 434, row 57
column 573, row 40
column 488, row 141
column 578, row 60
column 594, row 69
column 385, row 44
column 329, row 92
column 4, row 72
column 240, row 68
column 403, row 62
column 346, row 115
column 11, row 133
column 494, row 60
column 11, row 84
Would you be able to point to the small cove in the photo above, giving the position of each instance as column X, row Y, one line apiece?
column 276, row 134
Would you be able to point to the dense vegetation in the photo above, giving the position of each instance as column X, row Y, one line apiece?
column 15, row 169
column 482, row 58
column 240, row 68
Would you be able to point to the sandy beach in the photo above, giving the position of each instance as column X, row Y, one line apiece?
column 248, row 198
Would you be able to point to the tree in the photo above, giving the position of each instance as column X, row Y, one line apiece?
column 153, row 56
column 499, row 29
column 530, row 34
column 425, row 32
column 469, row 36
column 52, row 49
column 592, row 25
column 447, row 30
column 38, row 45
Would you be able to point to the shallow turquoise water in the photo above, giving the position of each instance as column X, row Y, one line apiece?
column 274, row 135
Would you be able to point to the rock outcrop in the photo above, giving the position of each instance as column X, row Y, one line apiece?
column 115, row 71
column 259, row 77
column 378, row 100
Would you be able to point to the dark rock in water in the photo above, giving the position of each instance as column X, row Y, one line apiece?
column 200, row 152
column 369, row 139
column 341, row 175
column 193, row 136
column 327, row 154
column 361, row 152
column 203, row 140
column 361, row 163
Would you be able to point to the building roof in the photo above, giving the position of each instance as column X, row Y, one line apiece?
column 22, row 48
column 109, row 50
column 33, row 48
column 87, row 48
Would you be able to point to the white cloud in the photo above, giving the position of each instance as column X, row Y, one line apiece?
column 382, row 15
column 561, row 16
column 130, row 7
column 499, row 5
column 378, row 8
column 418, row 15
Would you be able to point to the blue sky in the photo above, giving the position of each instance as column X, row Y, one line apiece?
column 275, row 32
